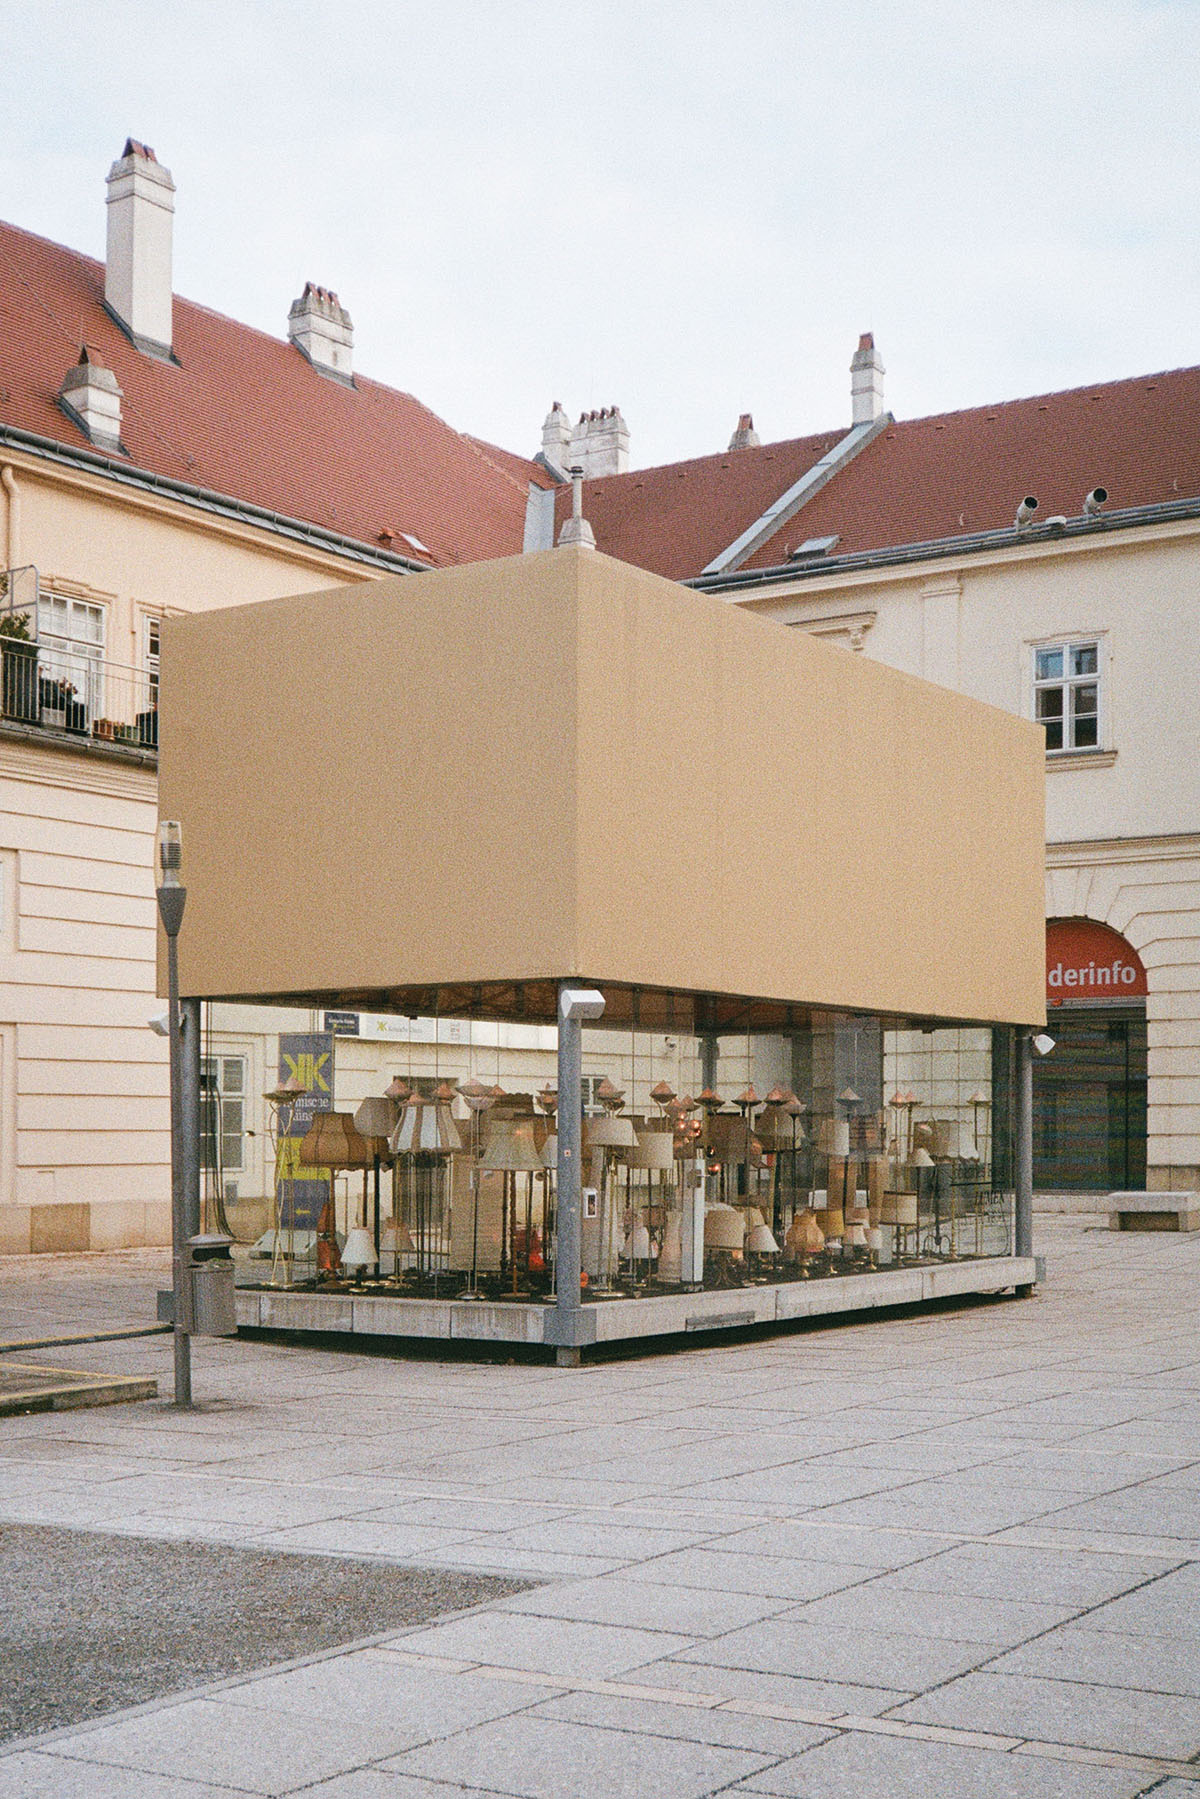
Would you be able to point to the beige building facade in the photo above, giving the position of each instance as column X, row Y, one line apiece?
column 1122, row 807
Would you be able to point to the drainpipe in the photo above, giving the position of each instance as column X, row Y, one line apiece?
column 12, row 541
column 1023, row 1232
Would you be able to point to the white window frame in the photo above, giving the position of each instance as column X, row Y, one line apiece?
column 235, row 1101
column 65, row 656
column 1066, row 642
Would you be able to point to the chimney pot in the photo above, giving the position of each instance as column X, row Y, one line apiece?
column 599, row 443
column 137, row 274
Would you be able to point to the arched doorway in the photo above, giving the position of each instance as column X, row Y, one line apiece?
column 1089, row 1095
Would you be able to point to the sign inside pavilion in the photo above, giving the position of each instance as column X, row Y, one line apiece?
column 806, row 888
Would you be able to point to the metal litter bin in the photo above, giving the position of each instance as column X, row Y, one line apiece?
column 209, row 1276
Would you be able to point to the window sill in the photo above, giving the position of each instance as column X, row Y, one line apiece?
column 1080, row 759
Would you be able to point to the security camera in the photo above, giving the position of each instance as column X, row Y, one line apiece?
column 1025, row 511
column 1043, row 1044
column 1093, row 501
column 580, row 1003
column 160, row 1024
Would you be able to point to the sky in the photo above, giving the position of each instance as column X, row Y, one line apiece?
column 690, row 210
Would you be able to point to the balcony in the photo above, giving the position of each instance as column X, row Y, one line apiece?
column 70, row 693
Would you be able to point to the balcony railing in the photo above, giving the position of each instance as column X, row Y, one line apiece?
column 68, row 687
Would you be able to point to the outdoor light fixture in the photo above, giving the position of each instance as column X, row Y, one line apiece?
column 1043, row 1044
column 171, row 896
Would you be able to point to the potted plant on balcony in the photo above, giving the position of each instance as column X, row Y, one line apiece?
column 18, row 668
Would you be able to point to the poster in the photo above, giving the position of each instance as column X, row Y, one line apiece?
column 302, row 1191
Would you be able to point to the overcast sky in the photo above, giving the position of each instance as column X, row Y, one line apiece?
column 691, row 209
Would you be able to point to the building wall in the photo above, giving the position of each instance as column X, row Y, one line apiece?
column 84, row 1110
column 1121, row 822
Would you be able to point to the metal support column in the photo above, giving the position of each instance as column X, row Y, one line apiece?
column 1023, row 1133
column 190, row 1120
column 568, row 1202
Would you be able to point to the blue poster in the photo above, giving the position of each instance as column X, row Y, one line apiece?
column 302, row 1191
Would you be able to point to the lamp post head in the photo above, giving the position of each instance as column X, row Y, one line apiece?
column 170, row 851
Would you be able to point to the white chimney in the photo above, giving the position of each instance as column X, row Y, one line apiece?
column 137, row 276
column 556, row 438
column 745, row 437
column 866, row 382
column 92, row 397
column 600, row 443
column 321, row 329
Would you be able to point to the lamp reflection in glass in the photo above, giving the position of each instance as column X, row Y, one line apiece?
column 511, row 1151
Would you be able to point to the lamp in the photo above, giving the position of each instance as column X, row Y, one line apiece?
column 426, row 1136
column 376, row 1119
column 510, row 1151
column 478, row 1100
column 331, row 1142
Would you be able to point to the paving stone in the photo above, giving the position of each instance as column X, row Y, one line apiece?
column 1045, row 1576
column 786, row 1577
column 854, row 1766
column 562, row 1646
column 43, row 1774
column 235, row 1746
column 806, row 1693
column 379, row 1783
column 417, row 1702
column 960, row 1617
column 688, row 1723
column 866, row 1657
column 1063, row 1711
column 1153, row 1664
column 612, row 1599
column 830, row 1542
column 539, row 1758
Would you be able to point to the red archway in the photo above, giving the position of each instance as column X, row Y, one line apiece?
column 1090, row 962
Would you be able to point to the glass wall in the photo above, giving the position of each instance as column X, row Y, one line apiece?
column 842, row 1145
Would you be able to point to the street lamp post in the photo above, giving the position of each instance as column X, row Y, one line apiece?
column 172, row 896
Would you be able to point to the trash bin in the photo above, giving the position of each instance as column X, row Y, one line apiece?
column 209, row 1274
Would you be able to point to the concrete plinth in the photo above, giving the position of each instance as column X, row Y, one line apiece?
column 628, row 1320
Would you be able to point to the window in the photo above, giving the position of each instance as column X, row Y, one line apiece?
column 150, row 661
column 71, row 633
column 1066, row 694
column 223, row 1113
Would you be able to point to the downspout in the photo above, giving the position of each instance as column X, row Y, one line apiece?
column 12, row 538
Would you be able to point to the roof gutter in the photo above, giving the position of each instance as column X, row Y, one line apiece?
column 222, row 505
column 973, row 543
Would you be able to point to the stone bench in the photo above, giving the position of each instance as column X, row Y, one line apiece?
column 1154, row 1211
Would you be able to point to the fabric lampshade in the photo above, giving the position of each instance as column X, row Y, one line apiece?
column 761, row 1241
column 359, row 1249
column 670, row 1259
column 331, row 1141
column 804, row 1235
column 653, row 1149
column 609, row 1132
column 426, row 1125
column 550, row 1151
column 511, row 1148
column 377, row 1117
column 724, row 1228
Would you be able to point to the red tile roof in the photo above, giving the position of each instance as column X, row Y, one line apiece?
column 247, row 416
column 920, row 480
column 675, row 519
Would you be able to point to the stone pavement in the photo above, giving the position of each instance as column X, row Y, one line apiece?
column 957, row 1552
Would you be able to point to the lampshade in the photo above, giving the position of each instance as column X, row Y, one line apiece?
column 550, row 1151
column 858, row 1214
column 724, row 1228
column 399, row 1089
column 748, row 1100
column 712, row 1102
column 359, row 1250
column 662, row 1093
column 804, row 1235
column 856, row 1236
column 670, row 1256
column 638, row 1245
column 833, row 1137
column 331, row 1141
column 942, row 1136
column 477, row 1096
column 610, row 1095
column 653, row 1149
column 377, row 1117
column 395, row 1240
column 920, row 1158
column 287, row 1092
column 761, row 1241
column 426, row 1126
column 848, row 1097
column 898, row 1208
column 874, row 1238
column 548, row 1099
column 511, row 1148
column 727, row 1137
column 610, row 1132
column 752, row 1216
column 779, row 1096
column 832, row 1220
